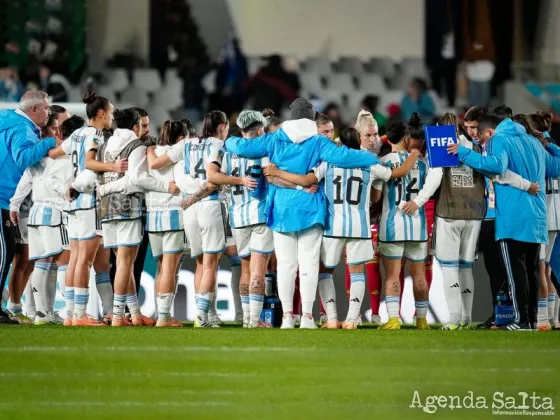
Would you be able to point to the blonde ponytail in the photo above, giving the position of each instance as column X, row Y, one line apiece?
column 365, row 120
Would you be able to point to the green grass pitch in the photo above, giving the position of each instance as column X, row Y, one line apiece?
column 146, row 373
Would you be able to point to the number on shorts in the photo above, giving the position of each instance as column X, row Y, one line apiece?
column 353, row 181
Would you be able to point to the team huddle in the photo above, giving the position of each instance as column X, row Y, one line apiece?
column 286, row 203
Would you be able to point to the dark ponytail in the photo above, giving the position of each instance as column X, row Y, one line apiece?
column 416, row 127
column 212, row 121
column 94, row 104
column 396, row 131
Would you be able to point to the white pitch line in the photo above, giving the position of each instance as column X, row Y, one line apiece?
column 263, row 349
column 113, row 403
column 124, row 374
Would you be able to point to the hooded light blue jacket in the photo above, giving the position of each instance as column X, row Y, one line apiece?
column 297, row 148
column 519, row 215
column 20, row 147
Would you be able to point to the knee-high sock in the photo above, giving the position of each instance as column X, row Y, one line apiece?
column 466, row 281
column 60, row 279
column 51, row 287
column 29, row 300
column 297, row 298
column 452, row 291
column 551, row 305
column 105, row 291
column 328, row 295
column 235, row 263
column 357, row 289
column 373, row 274
column 39, row 282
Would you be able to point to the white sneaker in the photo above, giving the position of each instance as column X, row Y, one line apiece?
column 375, row 320
column 215, row 319
column 288, row 322
column 200, row 323
column 323, row 319
column 297, row 319
column 42, row 319
column 360, row 320
column 56, row 318
column 307, row 323
column 238, row 318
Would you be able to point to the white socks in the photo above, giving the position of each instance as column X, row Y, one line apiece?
column 119, row 304
column 466, row 281
column 39, row 283
column 551, row 305
column 256, row 303
column 103, row 285
column 235, row 263
column 203, row 302
column 393, row 304
column 81, row 298
column 328, row 295
column 421, row 308
column 69, row 299
column 133, row 305
column 165, row 301
column 452, row 291
column 51, row 287
column 542, row 311
column 246, row 307
column 357, row 290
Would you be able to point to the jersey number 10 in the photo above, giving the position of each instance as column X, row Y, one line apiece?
column 353, row 181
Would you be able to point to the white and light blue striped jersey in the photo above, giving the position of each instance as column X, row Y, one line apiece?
column 80, row 142
column 197, row 155
column 244, row 210
column 164, row 221
column 553, row 204
column 348, row 193
column 395, row 225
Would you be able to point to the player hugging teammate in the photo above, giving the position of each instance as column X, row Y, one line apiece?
column 290, row 189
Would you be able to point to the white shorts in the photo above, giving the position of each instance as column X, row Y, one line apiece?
column 22, row 234
column 256, row 238
column 412, row 251
column 546, row 250
column 456, row 241
column 167, row 242
column 204, row 227
column 46, row 241
column 121, row 233
column 358, row 251
column 83, row 225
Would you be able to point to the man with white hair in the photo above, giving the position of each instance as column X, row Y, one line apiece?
column 20, row 147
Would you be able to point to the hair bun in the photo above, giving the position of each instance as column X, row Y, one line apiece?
column 89, row 97
column 267, row 112
column 363, row 113
column 415, row 120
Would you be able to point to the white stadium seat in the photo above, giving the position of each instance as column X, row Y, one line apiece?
column 146, row 79
column 118, row 80
column 372, row 84
column 134, row 96
column 341, row 82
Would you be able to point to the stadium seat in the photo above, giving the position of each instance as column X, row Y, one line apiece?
column 146, row 79
column 158, row 115
column 388, row 98
column 136, row 97
column 118, row 80
column 169, row 98
column 311, row 82
column 341, row 82
column 383, row 66
column 372, row 84
column 254, row 64
column 319, row 65
column 351, row 65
